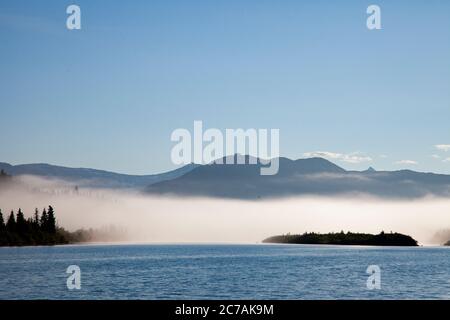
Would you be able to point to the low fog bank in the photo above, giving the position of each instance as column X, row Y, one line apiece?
column 171, row 219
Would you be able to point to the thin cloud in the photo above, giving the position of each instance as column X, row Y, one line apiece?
column 407, row 162
column 443, row 147
column 435, row 156
column 355, row 157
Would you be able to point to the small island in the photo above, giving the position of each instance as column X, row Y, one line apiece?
column 349, row 238
column 447, row 243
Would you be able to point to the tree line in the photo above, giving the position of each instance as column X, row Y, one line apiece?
column 40, row 229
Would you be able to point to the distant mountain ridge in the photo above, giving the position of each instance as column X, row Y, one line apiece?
column 94, row 178
column 313, row 176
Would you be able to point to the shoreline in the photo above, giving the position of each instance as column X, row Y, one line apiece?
column 200, row 244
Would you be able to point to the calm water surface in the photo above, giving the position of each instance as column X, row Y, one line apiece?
column 224, row 272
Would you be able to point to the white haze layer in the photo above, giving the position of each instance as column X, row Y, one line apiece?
column 209, row 220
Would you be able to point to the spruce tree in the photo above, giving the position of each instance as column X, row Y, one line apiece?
column 21, row 224
column 11, row 224
column 36, row 218
column 44, row 222
column 51, row 225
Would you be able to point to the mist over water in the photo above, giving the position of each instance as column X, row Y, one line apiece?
column 173, row 219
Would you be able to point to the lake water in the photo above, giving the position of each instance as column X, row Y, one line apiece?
column 224, row 272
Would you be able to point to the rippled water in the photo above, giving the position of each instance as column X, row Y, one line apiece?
column 224, row 272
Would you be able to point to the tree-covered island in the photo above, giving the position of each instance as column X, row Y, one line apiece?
column 349, row 238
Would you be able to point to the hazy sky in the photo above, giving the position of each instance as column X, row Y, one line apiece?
column 109, row 95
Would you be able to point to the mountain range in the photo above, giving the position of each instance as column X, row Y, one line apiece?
column 92, row 178
column 312, row 176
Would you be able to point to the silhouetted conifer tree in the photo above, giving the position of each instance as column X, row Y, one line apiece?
column 11, row 224
column 44, row 220
column 21, row 224
column 51, row 221
column 36, row 218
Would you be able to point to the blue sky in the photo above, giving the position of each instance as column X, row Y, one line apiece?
column 109, row 95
